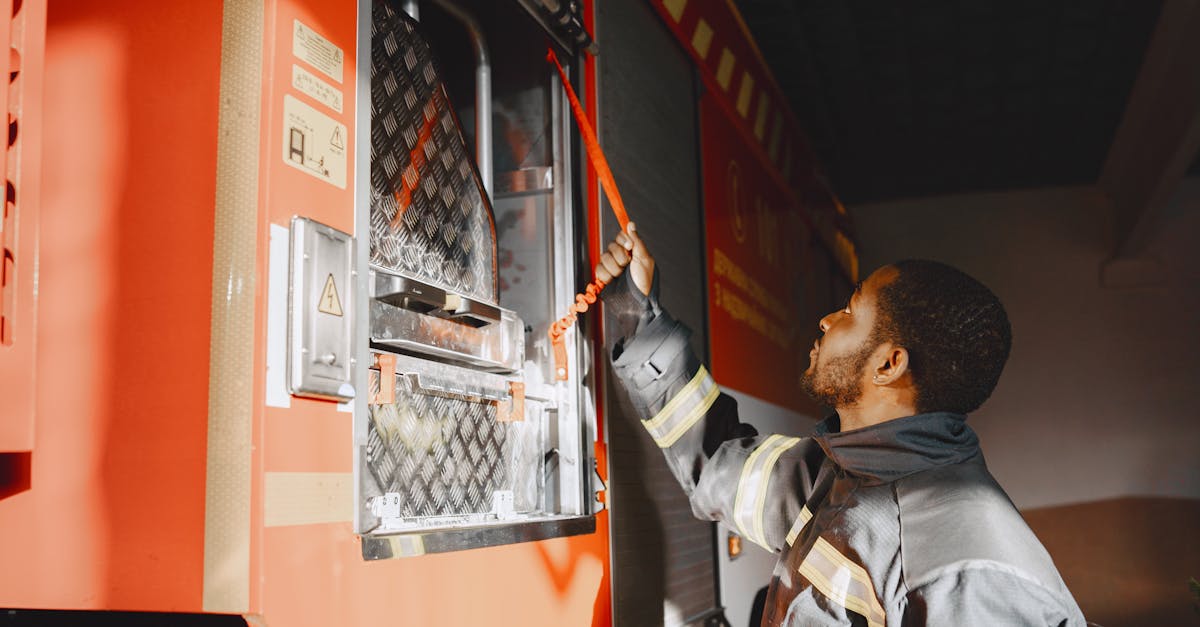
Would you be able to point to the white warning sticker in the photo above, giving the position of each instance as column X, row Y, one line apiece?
column 314, row 142
column 309, row 46
column 307, row 83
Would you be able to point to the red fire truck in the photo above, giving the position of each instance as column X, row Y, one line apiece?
column 278, row 280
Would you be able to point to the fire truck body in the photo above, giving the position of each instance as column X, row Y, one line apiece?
column 222, row 396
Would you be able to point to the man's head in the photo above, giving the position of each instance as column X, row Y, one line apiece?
column 921, row 330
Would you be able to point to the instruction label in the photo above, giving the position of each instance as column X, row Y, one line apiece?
column 308, row 83
column 309, row 46
column 314, row 142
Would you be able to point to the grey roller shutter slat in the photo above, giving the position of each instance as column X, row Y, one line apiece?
column 663, row 558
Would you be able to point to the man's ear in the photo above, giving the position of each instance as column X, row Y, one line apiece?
column 892, row 365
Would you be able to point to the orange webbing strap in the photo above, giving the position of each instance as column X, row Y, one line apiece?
column 595, row 155
column 604, row 173
column 560, row 327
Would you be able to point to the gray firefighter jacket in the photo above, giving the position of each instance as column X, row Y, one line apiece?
column 895, row 524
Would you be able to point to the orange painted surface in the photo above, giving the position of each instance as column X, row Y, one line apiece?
column 114, row 515
column 310, row 435
column 554, row 583
column 303, row 437
column 21, row 164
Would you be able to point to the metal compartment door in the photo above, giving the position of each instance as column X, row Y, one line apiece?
column 462, row 439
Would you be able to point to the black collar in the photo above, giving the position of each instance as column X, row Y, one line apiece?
column 897, row 448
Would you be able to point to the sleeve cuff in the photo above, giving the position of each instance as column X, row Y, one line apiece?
column 645, row 357
column 632, row 309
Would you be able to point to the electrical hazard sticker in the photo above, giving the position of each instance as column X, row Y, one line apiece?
column 314, row 142
column 330, row 303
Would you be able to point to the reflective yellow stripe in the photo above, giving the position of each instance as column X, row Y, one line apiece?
column 798, row 526
column 682, row 396
column 842, row 581
column 745, row 523
column 684, row 409
column 856, row 571
column 229, row 471
column 691, row 418
column 760, row 503
column 750, row 500
column 836, row 593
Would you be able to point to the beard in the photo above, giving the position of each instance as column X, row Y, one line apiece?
column 837, row 382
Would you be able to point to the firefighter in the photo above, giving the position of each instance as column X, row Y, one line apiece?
column 886, row 513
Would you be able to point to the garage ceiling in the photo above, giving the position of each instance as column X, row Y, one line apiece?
column 914, row 98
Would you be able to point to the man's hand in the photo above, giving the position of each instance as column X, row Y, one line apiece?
column 627, row 248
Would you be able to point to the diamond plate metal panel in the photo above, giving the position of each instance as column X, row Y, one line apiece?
column 445, row 455
column 429, row 216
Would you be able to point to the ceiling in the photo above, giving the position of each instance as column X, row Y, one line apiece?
column 916, row 98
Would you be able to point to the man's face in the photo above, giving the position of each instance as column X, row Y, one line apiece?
column 838, row 361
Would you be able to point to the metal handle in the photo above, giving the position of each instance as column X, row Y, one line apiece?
column 408, row 293
column 483, row 90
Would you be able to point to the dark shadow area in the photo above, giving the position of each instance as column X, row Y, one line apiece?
column 1126, row 560
column 915, row 99
column 664, row 569
column 663, row 564
column 61, row 618
column 756, row 608
column 638, row 552
column 15, row 473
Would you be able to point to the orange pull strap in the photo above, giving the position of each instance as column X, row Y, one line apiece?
column 609, row 184
column 581, row 304
column 592, row 144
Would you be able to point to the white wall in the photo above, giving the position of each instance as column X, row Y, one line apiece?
column 1101, row 396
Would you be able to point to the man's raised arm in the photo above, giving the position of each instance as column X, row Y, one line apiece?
column 756, row 484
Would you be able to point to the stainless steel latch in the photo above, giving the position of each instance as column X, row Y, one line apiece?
column 409, row 293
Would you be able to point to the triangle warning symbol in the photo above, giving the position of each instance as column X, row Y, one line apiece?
column 337, row 141
column 330, row 303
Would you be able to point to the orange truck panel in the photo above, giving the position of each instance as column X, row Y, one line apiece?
column 113, row 516
column 20, row 162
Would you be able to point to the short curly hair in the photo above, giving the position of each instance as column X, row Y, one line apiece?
column 954, row 328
